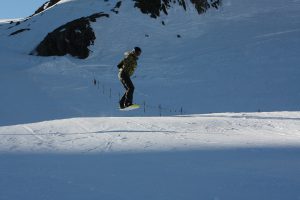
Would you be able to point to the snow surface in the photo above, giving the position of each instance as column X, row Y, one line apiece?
column 216, row 156
column 142, row 134
column 235, row 59
column 62, row 137
column 9, row 20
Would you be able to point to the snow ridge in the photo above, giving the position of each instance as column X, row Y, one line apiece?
column 199, row 132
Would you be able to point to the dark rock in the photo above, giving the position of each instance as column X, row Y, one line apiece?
column 182, row 3
column 20, row 31
column 216, row 4
column 118, row 5
column 72, row 38
column 46, row 5
column 93, row 18
column 203, row 5
column 155, row 7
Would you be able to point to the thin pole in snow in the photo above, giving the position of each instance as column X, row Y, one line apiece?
column 159, row 107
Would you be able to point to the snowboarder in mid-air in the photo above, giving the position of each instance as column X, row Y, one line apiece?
column 126, row 69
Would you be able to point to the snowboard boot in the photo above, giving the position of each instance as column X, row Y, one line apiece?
column 128, row 104
column 122, row 105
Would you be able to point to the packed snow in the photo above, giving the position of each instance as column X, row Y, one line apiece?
column 142, row 134
column 215, row 156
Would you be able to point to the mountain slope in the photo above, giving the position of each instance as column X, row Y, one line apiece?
column 231, row 59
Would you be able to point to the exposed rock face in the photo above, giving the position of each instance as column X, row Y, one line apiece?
column 116, row 8
column 72, row 38
column 19, row 31
column 46, row 5
column 203, row 5
column 155, row 7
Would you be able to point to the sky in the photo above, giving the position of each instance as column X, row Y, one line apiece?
column 19, row 8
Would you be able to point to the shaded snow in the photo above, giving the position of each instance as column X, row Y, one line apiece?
column 257, row 173
column 221, row 156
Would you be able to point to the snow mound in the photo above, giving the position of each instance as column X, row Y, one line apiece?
column 135, row 134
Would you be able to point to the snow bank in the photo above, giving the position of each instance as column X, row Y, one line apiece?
column 136, row 134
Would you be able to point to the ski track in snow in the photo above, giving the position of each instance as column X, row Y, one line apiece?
column 278, row 33
column 91, row 135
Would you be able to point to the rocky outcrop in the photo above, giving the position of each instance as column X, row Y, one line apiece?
column 72, row 38
column 155, row 7
column 19, row 31
column 203, row 5
column 46, row 5
column 75, row 37
column 117, row 7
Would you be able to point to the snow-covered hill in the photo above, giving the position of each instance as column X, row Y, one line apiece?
column 144, row 134
column 219, row 156
column 235, row 58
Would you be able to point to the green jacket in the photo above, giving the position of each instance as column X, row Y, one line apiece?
column 128, row 64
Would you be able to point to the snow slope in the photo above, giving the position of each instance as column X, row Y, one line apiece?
column 216, row 174
column 143, row 134
column 234, row 59
column 219, row 156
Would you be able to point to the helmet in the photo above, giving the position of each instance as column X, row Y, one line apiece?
column 137, row 49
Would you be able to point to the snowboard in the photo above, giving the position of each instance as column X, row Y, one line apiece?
column 132, row 107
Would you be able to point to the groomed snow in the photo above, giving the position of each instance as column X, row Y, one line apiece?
column 142, row 134
column 222, row 156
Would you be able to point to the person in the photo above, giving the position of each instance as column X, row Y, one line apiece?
column 126, row 69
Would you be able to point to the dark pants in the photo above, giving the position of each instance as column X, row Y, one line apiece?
column 128, row 85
